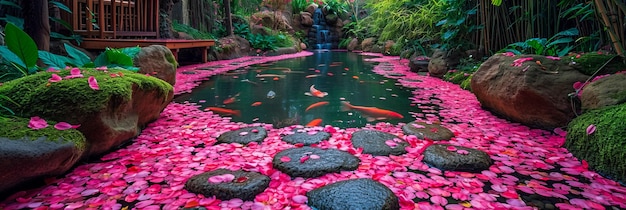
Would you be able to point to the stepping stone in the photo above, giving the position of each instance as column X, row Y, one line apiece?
column 243, row 135
column 306, row 138
column 423, row 130
column 308, row 162
column 378, row 143
column 353, row 194
column 456, row 158
column 245, row 185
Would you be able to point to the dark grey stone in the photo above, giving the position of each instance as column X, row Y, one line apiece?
column 237, row 137
column 27, row 158
column 433, row 131
column 245, row 186
column 330, row 161
column 438, row 156
column 306, row 138
column 373, row 142
column 355, row 194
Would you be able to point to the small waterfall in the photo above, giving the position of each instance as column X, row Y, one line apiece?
column 320, row 36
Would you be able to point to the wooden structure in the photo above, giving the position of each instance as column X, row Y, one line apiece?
column 123, row 23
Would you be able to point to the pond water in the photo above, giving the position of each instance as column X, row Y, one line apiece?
column 246, row 93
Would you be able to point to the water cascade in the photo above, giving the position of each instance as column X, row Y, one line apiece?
column 319, row 35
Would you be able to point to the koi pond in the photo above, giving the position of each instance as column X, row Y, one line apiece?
column 311, row 90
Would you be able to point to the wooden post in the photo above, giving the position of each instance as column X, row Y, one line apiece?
column 36, row 22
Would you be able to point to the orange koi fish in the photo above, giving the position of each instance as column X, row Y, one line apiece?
column 231, row 99
column 224, row 111
column 314, row 122
column 258, row 103
column 318, row 104
column 371, row 113
column 315, row 92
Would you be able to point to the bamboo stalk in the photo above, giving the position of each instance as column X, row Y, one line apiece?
column 607, row 23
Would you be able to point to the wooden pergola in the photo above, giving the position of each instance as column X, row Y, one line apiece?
column 123, row 23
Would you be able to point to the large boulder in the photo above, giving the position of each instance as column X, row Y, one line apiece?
column 353, row 194
column 354, row 45
column 533, row 93
column 306, row 19
column 597, row 136
column 270, row 19
column 233, row 47
column 607, row 91
column 367, row 44
column 26, row 153
column 123, row 103
column 158, row 61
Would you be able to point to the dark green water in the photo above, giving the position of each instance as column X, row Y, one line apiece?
column 289, row 104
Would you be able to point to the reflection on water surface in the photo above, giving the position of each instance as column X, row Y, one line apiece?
column 280, row 93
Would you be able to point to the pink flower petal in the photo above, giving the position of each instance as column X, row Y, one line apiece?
column 221, row 178
column 55, row 78
column 75, row 71
column 590, row 129
column 553, row 58
column 304, row 158
column 451, row 148
column 315, row 157
column 285, row 159
column 418, row 125
column 93, row 84
column 37, row 123
column 462, row 152
column 439, row 200
column 301, row 199
column 64, row 126
column 391, row 143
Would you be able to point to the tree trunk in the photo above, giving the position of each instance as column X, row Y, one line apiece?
column 228, row 19
column 36, row 22
column 165, row 25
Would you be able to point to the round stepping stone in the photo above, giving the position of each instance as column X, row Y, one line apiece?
column 378, row 143
column 306, row 138
column 243, row 135
column 456, row 158
column 353, row 194
column 242, row 184
column 308, row 162
column 423, row 130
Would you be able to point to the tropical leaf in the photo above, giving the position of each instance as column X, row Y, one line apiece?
column 61, row 6
column 131, row 51
column 11, row 57
column 496, row 2
column 20, row 43
column 54, row 60
column 560, row 41
column 17, row 21
column 115, row 56
column 10, row 3
column 78, row 56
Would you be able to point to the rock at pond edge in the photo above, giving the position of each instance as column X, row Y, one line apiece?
column 353, row 194
column 245, row 185
column 448, row 157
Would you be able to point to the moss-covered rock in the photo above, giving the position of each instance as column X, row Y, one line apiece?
column 124, row 102
column 589, row 63
column 607, row 91
column 26, row 153
column 603, row 149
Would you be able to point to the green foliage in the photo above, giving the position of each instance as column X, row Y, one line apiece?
column 456, row 25
column 604, row 149
column 298, row 6
column 337, row 7
column 396, row 20
column 17, row 128
column 122, row 58
column 263, row 42
column 581, row 11
column 20, row 50
column 344, row 43
column 557, row 45
column 195, row 33
column 496, row 2
column 242, row 30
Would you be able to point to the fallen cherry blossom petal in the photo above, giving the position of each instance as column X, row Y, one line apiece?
column 37, row 123
column 93, row 84
column 55, row 78
column 590, row 129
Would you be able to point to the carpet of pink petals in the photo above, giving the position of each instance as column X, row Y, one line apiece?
column 151, row 172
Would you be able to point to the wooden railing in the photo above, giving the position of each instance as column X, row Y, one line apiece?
column 104, row 19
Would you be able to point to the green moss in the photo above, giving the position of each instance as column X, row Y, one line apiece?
column 605, row 149
column 589, row 63
column 72, row 99
column 17, row 128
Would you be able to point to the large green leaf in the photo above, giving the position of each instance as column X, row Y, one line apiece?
column 496, row 2
column 11, row 57
column 78, row 56
column 17, row 21
column 20, row 43
column 131, row 51
column 54, row 60
column 101, row 60
column 115, row 56
column 560, row 41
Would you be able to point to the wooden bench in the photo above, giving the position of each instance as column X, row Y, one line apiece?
column 173, row 44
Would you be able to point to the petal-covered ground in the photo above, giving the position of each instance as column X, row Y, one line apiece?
column 531, row 169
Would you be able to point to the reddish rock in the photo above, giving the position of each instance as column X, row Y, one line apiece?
column 367, row 44
column 532, row 94
column 607, row 91
column 354, row 44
